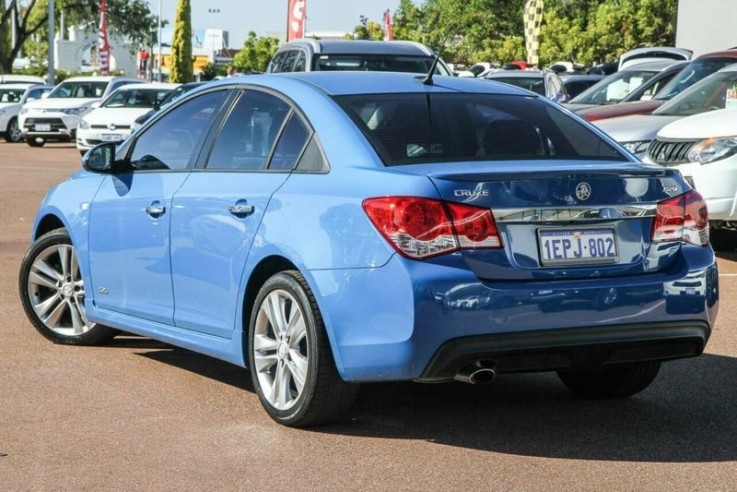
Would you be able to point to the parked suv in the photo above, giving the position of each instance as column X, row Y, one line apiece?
column 55, row 118
column 12, row 99
column 308, row 55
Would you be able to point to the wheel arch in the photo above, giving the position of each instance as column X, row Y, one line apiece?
column 48, row 223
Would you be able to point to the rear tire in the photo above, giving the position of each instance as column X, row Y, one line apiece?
column 52, row 292
column 36, row 141
column 611, row 382
column 291, row 364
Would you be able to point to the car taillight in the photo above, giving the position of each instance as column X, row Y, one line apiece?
column 421, row 227
column 682, row 218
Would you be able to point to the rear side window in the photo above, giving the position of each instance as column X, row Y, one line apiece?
column 415, row 128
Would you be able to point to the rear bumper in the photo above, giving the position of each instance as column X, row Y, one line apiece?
column 569, row 349
column 412, row 320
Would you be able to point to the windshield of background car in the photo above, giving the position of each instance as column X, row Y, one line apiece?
column 380, row 63
column 85, row 89
column 717, row 91
column 695, row 71
column 135, row 98
column 418, row 128
column 534, row 84
column 614, row 88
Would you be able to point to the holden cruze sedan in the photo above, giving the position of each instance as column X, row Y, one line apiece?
column 330, row 229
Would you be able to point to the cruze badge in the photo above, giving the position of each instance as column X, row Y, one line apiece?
column 471, row 193
column 583, row 191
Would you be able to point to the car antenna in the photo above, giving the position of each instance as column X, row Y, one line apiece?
column 428, row 79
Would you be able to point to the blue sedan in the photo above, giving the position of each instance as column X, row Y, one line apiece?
column 330, row 229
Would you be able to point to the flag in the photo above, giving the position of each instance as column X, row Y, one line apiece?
column 103, row 48
column 533, row 17
column 388, row 25
column 296, row 19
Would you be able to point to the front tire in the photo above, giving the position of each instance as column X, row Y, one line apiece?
column 611, row 382
column 52, row 292
column 13, row 133
column 291, row 364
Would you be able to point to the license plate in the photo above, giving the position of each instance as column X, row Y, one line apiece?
column 575, row 246
column 111, row 137
column 42, row 127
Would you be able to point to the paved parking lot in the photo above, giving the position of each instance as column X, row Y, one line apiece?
column 140, row 415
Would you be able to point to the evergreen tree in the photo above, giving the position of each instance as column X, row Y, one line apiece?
column 181, row 46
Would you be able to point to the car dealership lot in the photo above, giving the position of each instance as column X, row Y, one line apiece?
column 138, row 414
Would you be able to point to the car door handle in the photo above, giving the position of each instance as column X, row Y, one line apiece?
column 156, row 209
column 241, row 208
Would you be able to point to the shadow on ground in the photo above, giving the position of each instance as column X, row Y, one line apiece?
column 688, row 415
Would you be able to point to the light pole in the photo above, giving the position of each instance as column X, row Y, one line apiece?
column 214, row 12
column 51, row 76
column 158, row 77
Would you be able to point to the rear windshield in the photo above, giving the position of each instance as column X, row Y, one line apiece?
column 417, row 128
column 382, row 63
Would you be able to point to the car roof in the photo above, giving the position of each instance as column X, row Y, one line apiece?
column 21, row 85
column 100, row 78
column 719, row 54
column 351, row 83
column 149, row 85
column 361, row 47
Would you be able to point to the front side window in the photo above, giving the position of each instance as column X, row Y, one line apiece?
column 174, row 139
column 249, row 133
column 417, row 128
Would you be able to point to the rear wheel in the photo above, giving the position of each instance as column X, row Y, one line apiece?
column 611, row 382
column 291, row 364
column 52, row 292
column 36, row 141
column 13, row 133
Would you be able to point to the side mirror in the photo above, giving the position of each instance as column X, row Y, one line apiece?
column 100, row 158
column 95, row 104
column 44, row 95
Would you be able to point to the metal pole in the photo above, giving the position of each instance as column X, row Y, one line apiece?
column 50, row 77
column 158, row 78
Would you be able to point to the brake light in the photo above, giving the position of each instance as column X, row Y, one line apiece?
column 422, row 227
column 682, row 218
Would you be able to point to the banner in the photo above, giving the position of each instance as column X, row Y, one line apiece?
column 388, row 25
column 103, row 47
column 533, row 17
column 296, row 19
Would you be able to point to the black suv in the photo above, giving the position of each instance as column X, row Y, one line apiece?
column 307, row 55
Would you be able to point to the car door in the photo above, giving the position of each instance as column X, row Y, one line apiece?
column 218, row 210
column 131, row 213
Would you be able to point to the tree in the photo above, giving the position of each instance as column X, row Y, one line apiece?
column 367, row 29
column 128, row 18
column 181, row 69
column 255, row 54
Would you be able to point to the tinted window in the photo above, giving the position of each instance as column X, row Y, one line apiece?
column 173, row 139
column 275, row 65
column 385, row 63
column 249, row 132
column 312, row 158
column 408, row 129
column 289, row 61
column 290, row 145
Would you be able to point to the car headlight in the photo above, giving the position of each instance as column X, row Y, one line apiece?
column 638, row 147
column 84, row 124
column 713, row 149
column 74, row 111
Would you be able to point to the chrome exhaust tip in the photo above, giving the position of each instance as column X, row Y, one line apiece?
column 475, row 374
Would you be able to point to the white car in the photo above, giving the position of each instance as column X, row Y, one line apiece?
column 704, row 148
column 113, row 119
column 12, row 99
column 55, row 118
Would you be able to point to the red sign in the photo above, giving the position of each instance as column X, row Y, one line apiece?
column 296, row 19
column 103, row 47
column 388, row 25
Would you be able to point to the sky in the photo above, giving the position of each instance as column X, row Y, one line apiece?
column 269, row 17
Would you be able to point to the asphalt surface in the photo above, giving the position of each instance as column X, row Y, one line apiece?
column 141, row 415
